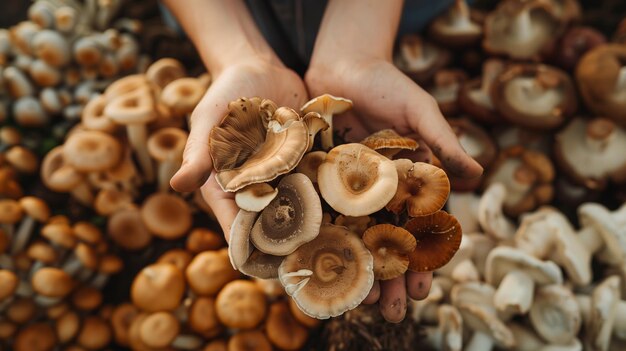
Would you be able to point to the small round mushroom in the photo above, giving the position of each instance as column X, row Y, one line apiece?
column 121, row 320
column 255, row 197
column 390, row 246
column 92, row 151
column 164, row 71
column 166, row 146
column 28, row 112
column 475, row 95
column 388, row 143
column 209, row 272
column 456, row 27
column 95, row 333
column 203, row 239
column 241, row 304
column 182, row 95
column 127, row 229
column 203, row 317
column 52, row 284
column 327, row 106
column 445, row 89
column 555, row 314
column 438, row 238
column 422, row 188
column 576, row 41
column 158, row 287
column 253, row 340
column 534, row 96
column 283, row 330
column 448, row 335
column 329, row 275
column 356, row 181
column 51, row 47
column 35, row 210
column 420, row 59
column 166, row 215
column 35, row 337
column 162, row 329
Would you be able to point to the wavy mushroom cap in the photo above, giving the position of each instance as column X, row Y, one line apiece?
column 420, row 59
column 534, row 96
column 158, row 287
column 388, row 142
column 52, row 282
column 182, row 95
column 255, row 197
column 422, row 188
column 555, row 302
column 241, row 304
column 456, row 27
column 166, row 215
column 256, row 142
column 126, row 85
column 390, row 247
column 329, row 275
column 164, row 71
column 92, row 151
column 438, row 237
column 356, row 180
column 502, row 260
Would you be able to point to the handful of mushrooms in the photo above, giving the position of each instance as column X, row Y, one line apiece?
column 327, row 220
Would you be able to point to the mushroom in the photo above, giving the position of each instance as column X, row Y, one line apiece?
column 445, row 89
column 58, row 175
column 534, row 96
column 456, row 27
column 509, row 136
column 108, row 265
column 163, row 71
column 520, row 30
column 94, row 334
column 329, row 275
column 590, row 152
column 356, row 181
column 420, row 59
column 356, row 225
column 67, row 326
column 527, row 176
column 35, row 337
column 178, row 257
column 422, row 188
column 253, row 340
column 35, row 210
column 475, row 95
column 309, row 165
column 162, row 329
column 464, row 207
column 209, row 272
column 603, row 232
column 203, row 317
column 601, row 77
column 241, row 304
column 291, row 219
column 93, row 117
column 448, row 335
column 575, row 43
column 555, row 314
column 43, row 74
column 182, row 95
column 516, row 274
column 327, row 106
column 127, row 230
column 51, row 47
column 22, row 159
column 51, row 284
column 121, row 319
column 166, row 146
column 283, row 330
column 438, row 238
column 28, row 112
column 166, row 215
column 244, row 151
column 388, row 142
column 461, row 267
column 203, row 239
column 17, row 83
column 478, row 144
column 158, row 287
column 109, row 201
column 390, row 247
column 92, row 151
column 255, row 197
column 10, row 213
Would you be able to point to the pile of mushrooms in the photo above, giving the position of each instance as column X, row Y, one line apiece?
column 324, row 219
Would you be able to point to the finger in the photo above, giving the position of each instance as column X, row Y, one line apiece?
column 418, row 284
column 222, row 203
column 373, row 295
column 392, row 301
column 426, row 119
column 197, row 165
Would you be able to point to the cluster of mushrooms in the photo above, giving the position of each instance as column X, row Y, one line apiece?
column 327, row 220
column 52, row 63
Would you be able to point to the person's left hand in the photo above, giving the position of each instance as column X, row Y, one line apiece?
column 384, row 97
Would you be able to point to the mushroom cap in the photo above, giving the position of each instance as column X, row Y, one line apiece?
column 475, row 95
column 261, row 265
column 86, row 298
column 422, row 188
column 356, row 225
column 478, row 144
column 40, row 251
column 165, row 70
column 591, row 152
column 110, row 264
column 283, row 330
column 167, row 144
column 95, row 333
column 10, row 211
column 57, row 174
column 166, row 215
column 388, row 142
column 8, row 284
column 252, row 340
column 390, row 246
column 456, row 27
column 604, row 301
column 183, row 94
column 203, row 239
column 310, row 163
column 356, row 180
column 291, row 219
column 438, row 237
column 255, row 197
column 86, row 255
column 67, row 326
column 126, row 85
column 239, row 246
column 60, row 234
column 35, row 337
column 420, row 59
column 127, row 229
column 158, row 287
column 601, row 75
column 612, row 232
column 241, row 305
column 490, row 216
column 534, row 96
column 577, row 41
column 121, row 319
column 52, row 282
column 93, row 117
column 24, row 160
column 178, row 257
column 555, row 314
column 87, row 232
column 159, row 329
column 327, row 105
column 203, row 317
column 502, row 260
column 480, row 318
column 92, row 151
column 135, row 107
column 329, row 275
column 209, row 271
column 255, row 143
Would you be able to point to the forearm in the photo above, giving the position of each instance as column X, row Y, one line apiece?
column 223, row 32
column 358, row 28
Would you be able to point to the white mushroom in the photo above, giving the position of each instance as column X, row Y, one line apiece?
column 490, row 215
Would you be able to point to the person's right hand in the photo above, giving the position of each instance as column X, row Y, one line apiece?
column 253, row 78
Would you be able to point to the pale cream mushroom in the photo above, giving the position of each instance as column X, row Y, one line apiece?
column 491, row 216
column 527, row 340
column 164, row 71
column 555, row 314
column 356, row 180
column 464, row 207
column 166, row 145
column 461, row 267
column 388, row 143
column 255, row 197
column 604, row 232
column 448, row 335
column 182, row 95
column 327, row 106
column 420, row 59
column 329, row 275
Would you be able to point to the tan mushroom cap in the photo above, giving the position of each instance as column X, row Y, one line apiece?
column 121, row 319
column 329, row 275
column 388, row 142
column 420, row 59
column 126, row 85
column 159, row 329
column 60, row 234
column 10, row 211
column 92, row 151
column 23, row 159
column 57, row 174
column 422, row 188
column 291, row 219
column 253, row 340
column 182, row 95
column 167, row 144
column 52, row 282
column 456, row 27
column 503, row 260
column 356, row 180
column 21, row 310
column 327, row 106
column 167, row 216
column 256, row 142
column 241, row 305
column 40, row 251
column 127, row 229
column 282, row 328
column 110, row 264
column 438, row 238
column 356, row 225
column 209, row 271
column 555, row 302
column 203, row 317
column 390, row 246
column 255, row 197
column 8, row 284
column 109, row 201
column 35, row 337
column 135, row 107
column 95, row 333
column 87, row 232
column 310, row 163
column 178, row 257
column 164, row 71
column 67, row 326
column 35, row 208
column 158, row 287
column 93, row 117
column 204, row 239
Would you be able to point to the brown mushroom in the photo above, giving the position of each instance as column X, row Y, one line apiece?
column 95, row 333
column 390, row 246
column 203, row 239
column 58, row 175
column 22, row 159
column 163, row 71
column 575, row 43
column 438, row 237
column 120, row 320
column 456, row 27
column 158, row 287
column 241, row 304
column 327, row 106
column 388, row 143
column 249, row 341
column 283, row 330
column 35, row 337
column 209, row 271
column 166, row 146
column 178, row 257
column 309, row 165
column 127, row 229
column 182, row 95
column 420, row 59
column 475, row 95
column 166, row 215
column 203, row 317
column 52, row 284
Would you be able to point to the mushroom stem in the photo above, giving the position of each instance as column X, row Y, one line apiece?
column 522, row 26
column 99, row 280
column 459, row 14
column 187, row 342
column 590, row 239
column 137, row 136
column 83, row 194
column 327, row 134
column 23, row 234
column 479, row 342
column 619, row 325
column 72, row 265
column 166, row 172
column 515, row 293
column 47, row 301
column 292, row 289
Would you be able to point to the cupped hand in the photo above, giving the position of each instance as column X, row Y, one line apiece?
column 384, row 97
column 245, row 79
